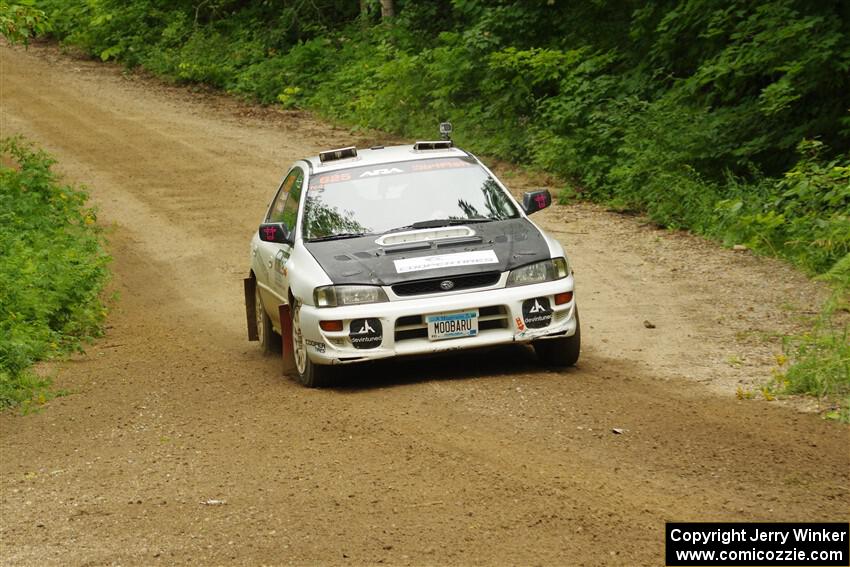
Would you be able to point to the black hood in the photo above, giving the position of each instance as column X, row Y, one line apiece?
column 515, row 242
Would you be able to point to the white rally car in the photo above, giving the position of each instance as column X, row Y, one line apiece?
column 404, row 250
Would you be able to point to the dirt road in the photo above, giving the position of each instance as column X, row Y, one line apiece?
column 181, row 444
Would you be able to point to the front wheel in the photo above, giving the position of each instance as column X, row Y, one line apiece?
column 563, row 351
column 307, row 373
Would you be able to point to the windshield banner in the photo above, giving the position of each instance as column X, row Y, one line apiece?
column 396, row 168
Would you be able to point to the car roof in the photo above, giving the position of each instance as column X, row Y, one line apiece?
column 379, row 155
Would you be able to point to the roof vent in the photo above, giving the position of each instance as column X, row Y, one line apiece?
column 341, row 153
column 432, row 145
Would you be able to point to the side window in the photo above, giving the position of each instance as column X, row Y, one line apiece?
column 285, row 206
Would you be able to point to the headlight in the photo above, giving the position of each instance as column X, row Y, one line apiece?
column 545, row 271
column 339, row 295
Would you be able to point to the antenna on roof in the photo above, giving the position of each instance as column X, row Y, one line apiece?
column 446, row 130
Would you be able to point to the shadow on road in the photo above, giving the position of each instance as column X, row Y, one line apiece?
column 488, row 362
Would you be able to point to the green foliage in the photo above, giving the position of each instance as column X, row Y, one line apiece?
column 52, row 269
column 19, row 22
column 821, row 357
column 821, row 365
column 804, row 217
column 691, row 112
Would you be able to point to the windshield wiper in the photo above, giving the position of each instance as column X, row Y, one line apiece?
column 436, row 223
column 339, row 236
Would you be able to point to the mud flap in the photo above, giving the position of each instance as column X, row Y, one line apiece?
column 251, row 308
column 286, row 336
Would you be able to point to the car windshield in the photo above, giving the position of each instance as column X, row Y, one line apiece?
column 401, row 195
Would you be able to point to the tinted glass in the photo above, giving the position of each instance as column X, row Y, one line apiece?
column 380, row 198
column 285, row 206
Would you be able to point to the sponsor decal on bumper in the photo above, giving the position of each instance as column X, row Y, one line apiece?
column 366, row 333
column 536, row 312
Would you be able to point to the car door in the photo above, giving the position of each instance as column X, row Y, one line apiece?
column 272, row 257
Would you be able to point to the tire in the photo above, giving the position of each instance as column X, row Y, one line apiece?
column 270, row 342
column 563, row 351
column 306, row 372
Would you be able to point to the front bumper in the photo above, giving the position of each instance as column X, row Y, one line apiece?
column 404, row 331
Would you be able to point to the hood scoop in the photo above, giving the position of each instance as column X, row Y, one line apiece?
column 425, row 244
column 424, row 235
column 448, row 243
column 407, row 247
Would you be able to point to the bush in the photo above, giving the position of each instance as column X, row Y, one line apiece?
column 804, row 217
column 19, row 22
column 52, row 269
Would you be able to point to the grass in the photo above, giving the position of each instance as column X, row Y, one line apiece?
column 821, row 365
column 817, row 362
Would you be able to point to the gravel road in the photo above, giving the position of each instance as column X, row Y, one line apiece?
column 181, row 444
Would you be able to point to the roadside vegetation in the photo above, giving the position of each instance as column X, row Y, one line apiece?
column 52, row 270
column 820, row 359
column 730, row 119
column 21, row 21
column 52, row 261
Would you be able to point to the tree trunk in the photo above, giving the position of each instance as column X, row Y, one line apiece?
column 387, row 9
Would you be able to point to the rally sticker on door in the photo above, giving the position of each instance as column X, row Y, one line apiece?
column 445, row 261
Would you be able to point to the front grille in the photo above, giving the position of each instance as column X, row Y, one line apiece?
column 421, row 287
column 415, row 327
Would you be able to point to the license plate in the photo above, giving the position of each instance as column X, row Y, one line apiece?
column 452, row 325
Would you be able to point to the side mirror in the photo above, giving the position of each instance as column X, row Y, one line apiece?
column 533, row 201
column 274, row 232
